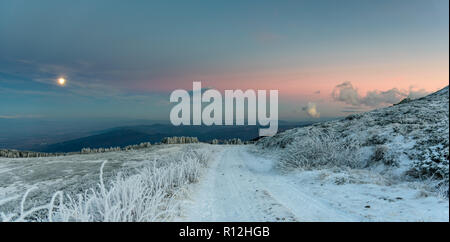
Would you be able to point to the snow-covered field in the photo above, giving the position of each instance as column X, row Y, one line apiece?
column 138, row 185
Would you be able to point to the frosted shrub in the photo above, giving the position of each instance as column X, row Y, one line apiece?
column 320, row 149
column 280, row 140
column 128, row 199
column 382, row 154
column 431, row 167
column 433, row 163
column 179, row 140
column 25, row 214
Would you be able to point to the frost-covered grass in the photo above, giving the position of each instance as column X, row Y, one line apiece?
column 152, row 193
column 405, row 142
column 320, row 149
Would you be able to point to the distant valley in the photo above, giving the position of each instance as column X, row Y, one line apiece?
column 121, row 136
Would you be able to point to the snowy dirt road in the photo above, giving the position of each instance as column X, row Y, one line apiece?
column 243, row 186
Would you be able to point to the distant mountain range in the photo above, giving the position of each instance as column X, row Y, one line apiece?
column 128, row 135
column 33, row 134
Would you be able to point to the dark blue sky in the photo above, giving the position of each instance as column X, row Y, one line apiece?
column 122, row 59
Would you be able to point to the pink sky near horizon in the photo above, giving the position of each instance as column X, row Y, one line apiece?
column 305, row 84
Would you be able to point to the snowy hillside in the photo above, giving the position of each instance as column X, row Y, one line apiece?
column 406, row 142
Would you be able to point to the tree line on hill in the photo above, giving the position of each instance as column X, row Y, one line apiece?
column 167, row 140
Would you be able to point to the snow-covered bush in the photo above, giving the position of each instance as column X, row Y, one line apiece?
column 26, row 154
column 138, row 146
column 317, row 148
column 214, row 142
column 234, row 141
column 179, row 140
column 100, row 150
column 433, row 164
column 382, row 154
column 151, row 194
column 375, row 140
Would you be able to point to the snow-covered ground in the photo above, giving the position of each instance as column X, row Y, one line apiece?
column 243, row 186
column 241, row 183
column 72, row 174
column 135, row 185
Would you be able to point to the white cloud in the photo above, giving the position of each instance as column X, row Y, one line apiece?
column 311, row 110
column 414, row 94
column 347, row 93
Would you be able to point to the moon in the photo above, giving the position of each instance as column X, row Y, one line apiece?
column 62, row 81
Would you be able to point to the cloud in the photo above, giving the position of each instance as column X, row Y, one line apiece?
column 414, row 94
column 376, row 98
column 347, row 93
column 311, row 110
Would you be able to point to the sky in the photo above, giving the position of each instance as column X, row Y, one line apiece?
column 122, row 59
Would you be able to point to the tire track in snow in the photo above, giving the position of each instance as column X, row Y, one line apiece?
column 291, row 195
column 230, row 192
